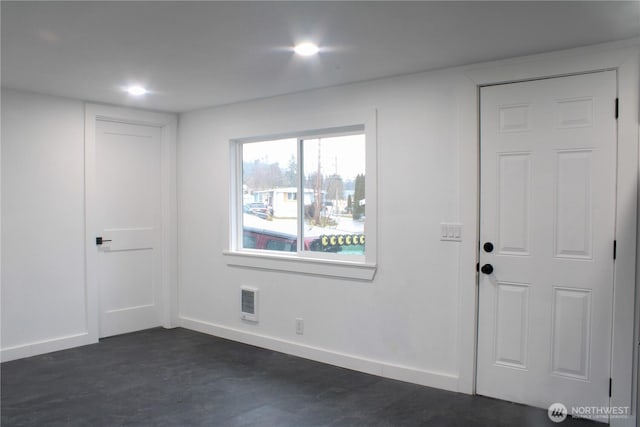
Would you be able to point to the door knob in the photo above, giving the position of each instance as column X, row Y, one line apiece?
column 487, row 269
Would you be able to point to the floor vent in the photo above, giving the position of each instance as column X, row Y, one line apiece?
column 249, row 304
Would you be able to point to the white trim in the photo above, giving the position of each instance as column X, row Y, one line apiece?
column 45, row 346
column 439, row 380
column 554, row 64
column 625, row 282
column 468, row 154
column 295, row 264
column 0, row 234
column 169, row 223
column 168, row 124
column 584, row 60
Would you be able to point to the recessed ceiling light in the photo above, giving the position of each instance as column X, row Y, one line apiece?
column 136, row 90
column 306, row 49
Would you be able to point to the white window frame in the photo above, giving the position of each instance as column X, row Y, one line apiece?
column 307, row 262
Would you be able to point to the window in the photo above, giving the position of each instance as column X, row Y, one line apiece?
column 305, row 202
column 329, row 171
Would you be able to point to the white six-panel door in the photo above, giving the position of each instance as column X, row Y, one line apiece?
column 128, row 185
column 548, row 181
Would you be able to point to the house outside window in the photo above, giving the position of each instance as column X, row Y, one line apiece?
column 306, row 201
column 329, row 170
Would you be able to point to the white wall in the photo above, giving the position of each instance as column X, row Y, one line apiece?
column 404, row 322
column 416, row 320
column 43, row 294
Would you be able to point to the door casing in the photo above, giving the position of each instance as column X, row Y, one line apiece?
column 623, row 58
column 603, row 260
column 168, row 125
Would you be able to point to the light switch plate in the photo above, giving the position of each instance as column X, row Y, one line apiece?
column 450, row 232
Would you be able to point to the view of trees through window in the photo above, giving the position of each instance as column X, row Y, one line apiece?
column 332, row 208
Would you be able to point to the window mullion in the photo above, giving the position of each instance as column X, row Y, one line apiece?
column 300, row 197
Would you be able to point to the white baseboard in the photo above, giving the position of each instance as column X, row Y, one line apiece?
column 388, row 370
column 45, row 346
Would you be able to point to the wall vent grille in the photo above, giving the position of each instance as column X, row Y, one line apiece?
column 249, row 304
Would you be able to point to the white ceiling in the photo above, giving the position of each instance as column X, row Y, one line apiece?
column 197, row 54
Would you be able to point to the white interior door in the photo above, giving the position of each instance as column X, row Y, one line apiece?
column 548, row 182
column 128, row 185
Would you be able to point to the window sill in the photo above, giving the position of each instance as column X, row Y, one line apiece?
column 294, row 264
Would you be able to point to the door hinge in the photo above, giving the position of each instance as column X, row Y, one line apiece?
column 617, row 107
column 610, row 386
column 615, row 244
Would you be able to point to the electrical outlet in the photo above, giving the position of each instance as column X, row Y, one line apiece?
column 299, row 326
